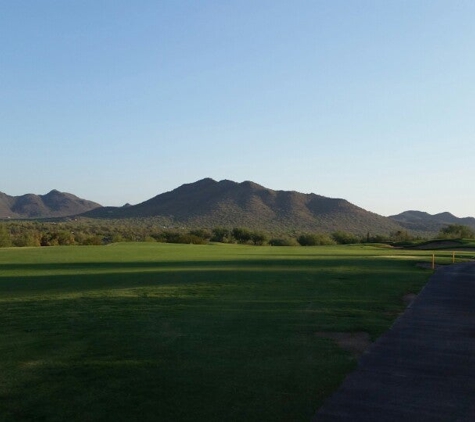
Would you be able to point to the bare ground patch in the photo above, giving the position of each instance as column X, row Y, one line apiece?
column 355, row 343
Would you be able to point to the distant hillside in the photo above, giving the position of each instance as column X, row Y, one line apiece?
column 424, row 222
column 208, row 203
column 53, row 204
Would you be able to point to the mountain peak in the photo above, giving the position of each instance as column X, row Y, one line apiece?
column 444, row 215
column 205, row 181
column 251, row 185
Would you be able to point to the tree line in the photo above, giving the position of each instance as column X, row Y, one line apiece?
column 98, row 232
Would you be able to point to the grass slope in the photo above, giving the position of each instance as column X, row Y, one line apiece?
column 160, row 332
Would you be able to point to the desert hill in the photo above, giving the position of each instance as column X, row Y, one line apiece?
column 208, row 203
column 53, row 204
column 425, row 222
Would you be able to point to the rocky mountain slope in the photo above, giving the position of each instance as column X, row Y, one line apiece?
column 208, row 203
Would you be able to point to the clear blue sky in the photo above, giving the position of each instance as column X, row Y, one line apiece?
column 117, row 101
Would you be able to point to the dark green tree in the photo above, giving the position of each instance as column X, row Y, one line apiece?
column 241, row 235
column 258, row 238
column 221, row 234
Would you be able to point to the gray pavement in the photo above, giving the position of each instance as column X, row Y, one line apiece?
column 423, row 368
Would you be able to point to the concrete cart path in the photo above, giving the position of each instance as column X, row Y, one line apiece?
column 423, row 368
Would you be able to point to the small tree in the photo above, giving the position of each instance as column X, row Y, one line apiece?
column 258, row 238
column 241, row 235
column 65, row 238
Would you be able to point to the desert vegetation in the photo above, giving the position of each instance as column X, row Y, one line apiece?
column 84, row 231
column 457, row 231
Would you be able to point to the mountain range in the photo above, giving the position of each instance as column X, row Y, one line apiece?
column 52, row 205
column 421, row 221
column 209, row 203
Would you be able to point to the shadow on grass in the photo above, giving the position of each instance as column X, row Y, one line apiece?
column 264, row 264
column 88, row 277
column 206, row 340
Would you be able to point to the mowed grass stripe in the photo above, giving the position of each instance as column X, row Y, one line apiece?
column 186, row 332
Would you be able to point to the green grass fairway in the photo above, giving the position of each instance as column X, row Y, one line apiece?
column 161, row 332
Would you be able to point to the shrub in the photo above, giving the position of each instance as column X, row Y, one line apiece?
column 177, row 237
column 287, row 241
column 315, row 240
column 203, row 234
column 344, row 238
column 92, row 240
